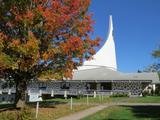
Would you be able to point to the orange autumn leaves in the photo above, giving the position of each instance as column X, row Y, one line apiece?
column 25, row 55
column 3, row 64
column 50, row 34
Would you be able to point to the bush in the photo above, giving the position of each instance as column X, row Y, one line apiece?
column 145, row 93
column 119, row 95
column 157, row 92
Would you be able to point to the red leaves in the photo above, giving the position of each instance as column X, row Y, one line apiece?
column 72, row 44
column 40, row 8
column 55, row 4
column 15, row 42
column 29, row 15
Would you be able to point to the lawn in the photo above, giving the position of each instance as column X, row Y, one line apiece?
column 47, row 111
column 58, row 107
column 127, row 113
column 105, row 99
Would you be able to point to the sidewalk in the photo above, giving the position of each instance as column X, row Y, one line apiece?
column 84, row 113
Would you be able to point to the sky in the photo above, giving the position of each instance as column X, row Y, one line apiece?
column 136, row 30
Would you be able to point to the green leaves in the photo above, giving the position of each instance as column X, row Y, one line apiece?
column 156, row 53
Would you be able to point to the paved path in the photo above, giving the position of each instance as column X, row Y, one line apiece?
column 84, row 113
column 90, row 111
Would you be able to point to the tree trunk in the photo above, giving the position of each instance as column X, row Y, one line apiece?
column 21, row 87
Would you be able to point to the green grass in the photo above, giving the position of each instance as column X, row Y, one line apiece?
column 58, row 107
column 148, row 99
column 127, row 113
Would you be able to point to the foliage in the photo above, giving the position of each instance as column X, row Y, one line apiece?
column 146, row 93
column 157, row 91
column 152, row 68
column 38, row 36
column 156, row 53
column 119, row 95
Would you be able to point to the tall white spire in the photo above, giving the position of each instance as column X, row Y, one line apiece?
column 106, row 56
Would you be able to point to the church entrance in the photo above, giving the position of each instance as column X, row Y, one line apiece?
column 106, row 86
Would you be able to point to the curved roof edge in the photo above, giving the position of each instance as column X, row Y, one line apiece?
column 106, row 56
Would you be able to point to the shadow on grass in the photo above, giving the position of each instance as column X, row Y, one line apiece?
column 42, row 104
column 46, row 104
column 148, row 111
column 5, row 107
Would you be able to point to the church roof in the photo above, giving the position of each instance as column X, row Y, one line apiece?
column 103, row 73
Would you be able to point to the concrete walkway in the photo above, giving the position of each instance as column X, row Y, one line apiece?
column 84, row 113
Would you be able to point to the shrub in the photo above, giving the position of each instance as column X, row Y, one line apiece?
column 119, row 95
column 145, row 93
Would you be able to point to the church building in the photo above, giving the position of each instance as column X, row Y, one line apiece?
column 97, row 76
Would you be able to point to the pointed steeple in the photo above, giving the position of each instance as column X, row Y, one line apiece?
column 106, row 56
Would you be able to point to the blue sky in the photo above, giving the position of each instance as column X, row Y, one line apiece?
column 136, row 30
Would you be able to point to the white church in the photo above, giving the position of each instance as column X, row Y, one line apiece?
column 98, row 76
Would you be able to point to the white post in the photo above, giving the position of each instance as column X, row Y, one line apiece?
column 102, row 97
column 65, row 94
column 129, row 94
column 87, row 100
column 9, row 92
column 149, row 91
column 111, row 93
column 154, row 88
column 94, row 94
column 0, row 92
column 29, row 92
column 37, row 107
column 52, row 93
column 99, row 97
column 40, row 93
column 71, row 107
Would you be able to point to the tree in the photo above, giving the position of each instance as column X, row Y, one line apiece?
column 155, row 67
column 152, row 68
column 156, row 53
column 38, row 36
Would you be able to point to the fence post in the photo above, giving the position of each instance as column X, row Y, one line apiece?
column 100, row 98
column 52, row 93
column 94, row 94
column 37, row 107
column 71, row 106
column 65, row 94
column 87, row 100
